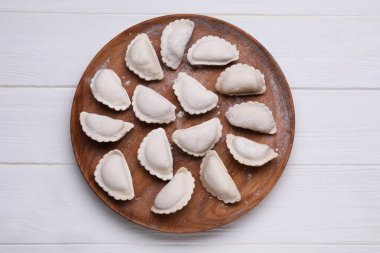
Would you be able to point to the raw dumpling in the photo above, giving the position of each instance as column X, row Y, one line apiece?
column 212, row 50
column 102, row 128
column 253, row 116
column 241, row 79
column 142, row 59
column 107, row 89
column 215, row 178
column 248, row 152
column 155, row 154
column 151, row 107
column 199, row 139
column 113, row 175
column 193, row 96
column 174, row 39
column 176, row 194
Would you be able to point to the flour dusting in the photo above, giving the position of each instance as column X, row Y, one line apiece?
column 180, row 114
column 105, row 64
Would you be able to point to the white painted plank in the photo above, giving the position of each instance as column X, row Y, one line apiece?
column 35, row 125
column 323, row 52
column 309, row 205
column 216, row 248
column 332, row 127
column 272, row 7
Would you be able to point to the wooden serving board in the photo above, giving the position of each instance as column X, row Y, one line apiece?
column 203, row 212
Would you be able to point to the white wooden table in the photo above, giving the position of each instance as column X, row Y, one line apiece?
column 328, row 199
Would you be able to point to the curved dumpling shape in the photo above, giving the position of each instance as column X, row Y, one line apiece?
column 215, row 178
column 241, row 79
column 176, row 194
column 155, row 154
column 249, row 152
column 102, row 128
column 193, row 96
column 106, row 87
column 151, row 107
column 212, row 50
column 174, row 39
column 253, row 116
column 113, row 175
column 199, row 139
column 141, row 58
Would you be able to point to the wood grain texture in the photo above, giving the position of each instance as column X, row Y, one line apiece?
column 242, row 7
column 47, row 49
column 310, row 205
column 202, row 212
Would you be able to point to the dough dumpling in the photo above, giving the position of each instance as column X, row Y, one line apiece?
column 174, row 40
column 241, row 79
column 212, row 50
column 254, row 116
column 249, row 152
column 141, row 58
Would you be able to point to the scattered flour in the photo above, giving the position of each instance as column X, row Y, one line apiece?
column 180, row 114
column 105, row 64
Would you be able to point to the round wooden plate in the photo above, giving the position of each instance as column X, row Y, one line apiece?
column 203, row 212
